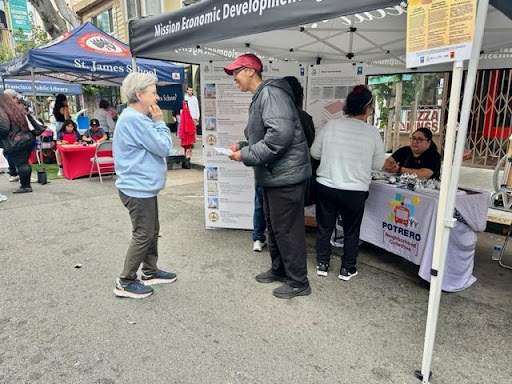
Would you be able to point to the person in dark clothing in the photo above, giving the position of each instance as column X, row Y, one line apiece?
column 305, row 118
column 61, row 111
column 12, row 118
column 309, row 131
column 420, row 158
column 278, row 152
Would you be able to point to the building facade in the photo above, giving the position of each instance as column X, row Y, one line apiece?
column 112, row 16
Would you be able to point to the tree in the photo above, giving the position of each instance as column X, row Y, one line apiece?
column 39, row 37
column 55, row 20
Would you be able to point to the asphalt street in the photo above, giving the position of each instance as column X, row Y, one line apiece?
column 216, row 324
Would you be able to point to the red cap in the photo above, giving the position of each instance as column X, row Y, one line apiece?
column 247, row 60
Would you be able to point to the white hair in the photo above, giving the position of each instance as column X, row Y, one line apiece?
column 137, row 81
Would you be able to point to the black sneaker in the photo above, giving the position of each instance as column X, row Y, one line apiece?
column 321, row 269
column 287, row 292
column 23, row 190
column 269, row 277
column 159, row 277
column 347, row 274
column 134, row 290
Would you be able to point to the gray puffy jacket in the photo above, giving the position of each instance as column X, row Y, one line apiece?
column 277, row 147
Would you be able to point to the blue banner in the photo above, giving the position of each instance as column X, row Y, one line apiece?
column 42, row 87
column 171, row 97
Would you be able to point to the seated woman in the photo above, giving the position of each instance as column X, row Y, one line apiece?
column 68, row 135
column 94, row 133
column 420, row 158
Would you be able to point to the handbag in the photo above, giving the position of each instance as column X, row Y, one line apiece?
column 37, row 127
column 18, row 141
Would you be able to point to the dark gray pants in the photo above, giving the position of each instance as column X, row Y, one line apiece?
column 143, row 248
column 284, row 213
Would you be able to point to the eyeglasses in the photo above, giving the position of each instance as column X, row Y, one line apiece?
column 237, row 71
column 417, row 139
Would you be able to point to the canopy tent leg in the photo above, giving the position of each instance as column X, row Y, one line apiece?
column 134, row 63
column 34, row 91
column 450, row 178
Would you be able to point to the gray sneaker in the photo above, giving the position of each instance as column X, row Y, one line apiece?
column 133, row 290
column 159, row 277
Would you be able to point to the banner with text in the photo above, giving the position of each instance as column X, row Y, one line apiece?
column 208, row 21
column 399, row 221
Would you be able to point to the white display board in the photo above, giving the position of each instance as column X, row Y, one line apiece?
column 328, row 87
column 229, row 185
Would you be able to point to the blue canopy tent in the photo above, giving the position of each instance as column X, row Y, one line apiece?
column 86, row 55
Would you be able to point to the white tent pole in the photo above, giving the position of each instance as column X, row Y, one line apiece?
column 445, row 220
column 469, row 89
column 134, row 64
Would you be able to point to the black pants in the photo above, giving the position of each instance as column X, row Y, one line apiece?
column 20, row 161
column 350, row 205
column 143, row 248
column 12, row 169
column 284, row 213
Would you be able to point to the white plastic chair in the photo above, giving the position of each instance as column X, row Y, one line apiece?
column 103, row 162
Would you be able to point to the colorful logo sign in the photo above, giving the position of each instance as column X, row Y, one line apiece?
column 96, row 42
column 400, row 230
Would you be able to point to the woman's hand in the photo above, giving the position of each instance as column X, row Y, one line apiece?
column 390, row 165
column 156, row 113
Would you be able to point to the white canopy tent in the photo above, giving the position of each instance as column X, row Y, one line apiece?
column 374, row 36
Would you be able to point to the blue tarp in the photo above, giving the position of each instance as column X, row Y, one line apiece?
column 87, row 55
column 42, row 87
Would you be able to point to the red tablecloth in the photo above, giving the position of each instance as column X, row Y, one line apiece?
column 76, row 160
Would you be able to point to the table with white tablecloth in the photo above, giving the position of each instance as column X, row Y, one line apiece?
column 403, row 222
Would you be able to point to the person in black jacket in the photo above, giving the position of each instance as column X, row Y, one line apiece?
column 12, row 118
column 278, row 152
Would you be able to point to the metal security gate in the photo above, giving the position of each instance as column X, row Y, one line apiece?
column 490, row 123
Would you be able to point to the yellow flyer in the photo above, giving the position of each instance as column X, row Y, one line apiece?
column 439, row 31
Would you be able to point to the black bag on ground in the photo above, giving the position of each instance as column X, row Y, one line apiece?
column 42, row 178
column 186, row 163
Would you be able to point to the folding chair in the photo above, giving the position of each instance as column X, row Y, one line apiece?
column 45, row 145
column 103, row 159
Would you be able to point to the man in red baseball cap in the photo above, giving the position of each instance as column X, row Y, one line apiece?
column 247, row 60
column 277, row 150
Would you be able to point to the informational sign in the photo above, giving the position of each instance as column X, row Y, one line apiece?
column 19, row 17
column 439, row 31
column 41, row 87
column 425, row 118
column 328, row 87
column 229, row 185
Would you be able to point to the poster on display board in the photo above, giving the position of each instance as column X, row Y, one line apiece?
column 328, row 87
column 229, row 185
column 439, row 31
